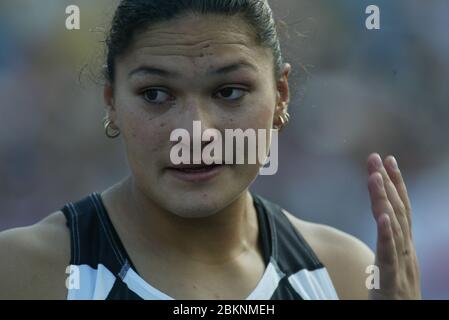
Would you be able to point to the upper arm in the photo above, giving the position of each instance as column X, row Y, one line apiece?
column 346, row 258
column 34, row 259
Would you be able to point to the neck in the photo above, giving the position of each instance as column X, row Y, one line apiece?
column 218, row 238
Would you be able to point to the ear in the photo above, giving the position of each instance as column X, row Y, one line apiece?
column 108, row 95
column 282, row 95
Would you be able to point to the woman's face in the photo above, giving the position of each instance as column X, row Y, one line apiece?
column 204, row 68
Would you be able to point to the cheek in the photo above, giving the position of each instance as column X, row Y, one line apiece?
column 259, row 115
column 265, row 116
column 144, row 135
column 262, row 107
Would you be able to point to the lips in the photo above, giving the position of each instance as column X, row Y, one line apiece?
column 196, row 172
column 194, row 167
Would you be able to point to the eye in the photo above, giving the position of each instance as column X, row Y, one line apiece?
column 157, row 96
column 231, row 93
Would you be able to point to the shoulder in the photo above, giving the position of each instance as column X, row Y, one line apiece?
column 345, row 257
column 34, row 260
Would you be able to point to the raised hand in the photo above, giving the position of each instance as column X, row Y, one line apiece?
column 395, row 253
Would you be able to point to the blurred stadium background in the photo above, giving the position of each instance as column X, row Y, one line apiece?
column 354, row 92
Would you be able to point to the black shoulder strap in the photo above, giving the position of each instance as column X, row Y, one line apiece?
column 93, row 241
column 288, row 247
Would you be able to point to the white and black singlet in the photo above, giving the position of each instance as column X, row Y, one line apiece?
column 104, row 271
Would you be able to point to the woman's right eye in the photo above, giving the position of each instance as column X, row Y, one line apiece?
column 157, row 96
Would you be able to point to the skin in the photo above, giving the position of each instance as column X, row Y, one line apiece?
column 193, row 240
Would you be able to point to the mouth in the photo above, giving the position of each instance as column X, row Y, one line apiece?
column 196, row 172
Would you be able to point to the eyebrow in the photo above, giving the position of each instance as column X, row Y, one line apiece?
column 152, row 70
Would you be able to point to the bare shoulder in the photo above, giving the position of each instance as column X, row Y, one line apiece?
column 34, row 260
column 345, row 257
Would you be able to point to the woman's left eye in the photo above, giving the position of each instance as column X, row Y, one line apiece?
column 231, row 93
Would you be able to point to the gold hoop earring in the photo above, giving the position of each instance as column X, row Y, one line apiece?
column 285, row 119
column 109, row 131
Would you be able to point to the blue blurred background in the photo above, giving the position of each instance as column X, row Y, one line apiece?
column 354, row 92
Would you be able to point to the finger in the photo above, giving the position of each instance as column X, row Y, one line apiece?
column 396, row 177
column 380, row 205
column 386, row 253
column 396, row 201
column 386, row 248
column 375, row 164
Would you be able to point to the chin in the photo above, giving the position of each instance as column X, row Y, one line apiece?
column 200, row 203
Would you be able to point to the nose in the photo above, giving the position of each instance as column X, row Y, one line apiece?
column 195, row 116
column 196, row 109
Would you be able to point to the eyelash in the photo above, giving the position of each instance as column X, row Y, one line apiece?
column 144, row 92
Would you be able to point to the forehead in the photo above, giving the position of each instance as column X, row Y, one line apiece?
column 197, row 41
